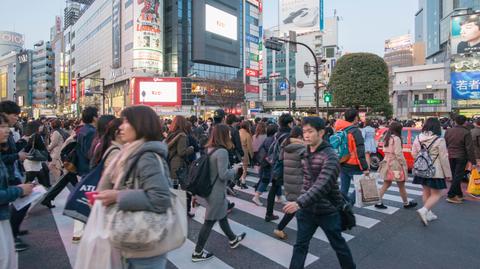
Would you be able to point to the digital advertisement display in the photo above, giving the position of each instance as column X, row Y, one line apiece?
column 148, row 35
column 215, row 35
column 158, row 91
column 465, row 77
column 301, row 15
column 398, row 43
column 465, row 35
column 220, row 22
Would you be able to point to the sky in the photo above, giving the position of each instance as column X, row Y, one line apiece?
column 364, row 25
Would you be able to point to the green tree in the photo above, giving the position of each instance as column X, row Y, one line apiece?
column 361, row 79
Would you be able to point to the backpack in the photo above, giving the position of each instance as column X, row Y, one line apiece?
column 273, row 156
column 339, row 143
column 423, row 165
column 68, row 155
column 198, row 178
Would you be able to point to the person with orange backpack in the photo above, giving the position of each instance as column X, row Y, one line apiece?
column 349, row 144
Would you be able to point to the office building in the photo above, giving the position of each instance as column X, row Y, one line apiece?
column 8, row 66
column 24, row 82
column 43, row 97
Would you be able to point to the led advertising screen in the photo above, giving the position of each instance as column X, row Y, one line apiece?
column 465, row 35
column 301, row 16
column 158, row 91
column 465, row 78
column 215, row 34
column 220, row 22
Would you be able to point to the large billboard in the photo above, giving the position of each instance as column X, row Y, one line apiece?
column 158, row 91
column 148, row 35
column 465, row 77
column 216, row 34
column 10, row 41
column 465, row 35
column 301, row 16
column 398, row 43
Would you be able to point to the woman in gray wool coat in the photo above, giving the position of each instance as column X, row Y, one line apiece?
column 216, row 207
column 292, row 153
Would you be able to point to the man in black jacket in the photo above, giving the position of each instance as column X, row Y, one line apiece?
column 320, row 199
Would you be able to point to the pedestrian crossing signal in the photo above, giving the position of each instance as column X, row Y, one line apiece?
column 327, row 98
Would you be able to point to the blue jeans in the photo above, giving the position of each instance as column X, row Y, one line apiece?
column 330, row 224
column 157, row 262
column 346, row 177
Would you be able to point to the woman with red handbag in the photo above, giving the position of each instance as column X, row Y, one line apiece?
column 394, row 166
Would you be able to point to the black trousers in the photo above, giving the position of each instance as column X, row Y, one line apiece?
column 61, row 184
column 16, row 218
column 458, row 173
column 207, row 228
column 42, row 177
column 276, row 184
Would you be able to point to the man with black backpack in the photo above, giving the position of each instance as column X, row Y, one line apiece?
column 321, row 203
column 349, row 144
column 273, row 158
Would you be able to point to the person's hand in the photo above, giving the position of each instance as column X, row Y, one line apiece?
column 291, row 207
column 27, row 188
column 108, row 197
column 22, row 155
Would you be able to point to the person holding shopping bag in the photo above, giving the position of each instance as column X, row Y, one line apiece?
column 142, row 184
column 394, row 166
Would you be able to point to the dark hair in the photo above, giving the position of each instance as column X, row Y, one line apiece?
column 297, row 132
column 109, row 135
column 188, row 127
column 284, row 120
column 193, row 119
column 471, row 19
column 231, row 119
column 432, row 125
column 246, row 126
column 102, row 124
column 88, row 114
column 272, row 129
column 179, row 123
column 351, row 114
column 261, row 129
column 3, row 119
column 460, row 120
column 56, row 124
column 315, row 122
column 257, row 120
column 145, row 122
column 220, row 137
column 9, row 107
column 32, row 128
column 395, row 128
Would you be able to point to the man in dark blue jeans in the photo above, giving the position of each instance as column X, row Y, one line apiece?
column 318, row 205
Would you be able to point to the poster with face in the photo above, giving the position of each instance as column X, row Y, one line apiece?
column 465, row 35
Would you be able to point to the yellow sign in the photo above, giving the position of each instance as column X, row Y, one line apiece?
column 3, row 85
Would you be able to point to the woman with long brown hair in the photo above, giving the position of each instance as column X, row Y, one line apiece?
column 247, row 147
column 217, row 204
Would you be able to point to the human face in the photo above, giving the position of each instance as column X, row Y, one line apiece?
column 470, row 32
column 4, row 132
column 12, row 119
column 127, row 132
column 311, row 136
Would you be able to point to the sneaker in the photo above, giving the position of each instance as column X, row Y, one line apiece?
column 454, row 200
column 48, row 204
column 410, row 204
column 238, row 239
column 280, row 234
column 460, row 197
column 270, row 218
column 422, row 213
column 281, row 199
column 257, row 201
column 243, row 186
column 202, row 256
column 380, row 206
column 20, row 246
column 191, row 215
column 431, row 216
column 76, row 239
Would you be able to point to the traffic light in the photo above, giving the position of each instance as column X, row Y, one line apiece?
column 327, row 97
column 273, row 44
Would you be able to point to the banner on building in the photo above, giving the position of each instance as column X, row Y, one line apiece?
column 3, row 85
column 465, row 77
column 158, row 91
column 116, row 34
column 398, row 43
column 301, row 16
column 465, row 34
column 148, row 35
column 252, row 89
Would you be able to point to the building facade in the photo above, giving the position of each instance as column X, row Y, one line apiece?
column 8, row 66
column 24, row 82
column 10, row 41
column 43, row 96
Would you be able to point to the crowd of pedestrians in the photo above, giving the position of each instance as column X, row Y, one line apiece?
column 139, row 158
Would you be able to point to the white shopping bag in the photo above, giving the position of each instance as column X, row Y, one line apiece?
column 95, row 250
column 374, row 196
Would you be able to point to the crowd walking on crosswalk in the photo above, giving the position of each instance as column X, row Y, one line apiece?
column 144, row 179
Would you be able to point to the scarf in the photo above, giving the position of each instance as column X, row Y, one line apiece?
column 115, row 172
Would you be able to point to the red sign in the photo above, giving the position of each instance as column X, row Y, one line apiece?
column 73, row 87
column 82, row 87
column 252, row 89
column 254, row 2
column 157, row 91
column 251, row 72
